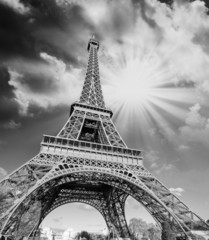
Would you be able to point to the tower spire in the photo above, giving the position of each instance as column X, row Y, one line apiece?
column 92, row 93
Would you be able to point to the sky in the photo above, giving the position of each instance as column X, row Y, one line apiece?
column 154, row 58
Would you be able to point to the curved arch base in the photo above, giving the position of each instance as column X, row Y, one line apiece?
column 49, row 181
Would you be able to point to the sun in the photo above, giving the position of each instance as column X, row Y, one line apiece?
column 134, row 84
column 144, row 88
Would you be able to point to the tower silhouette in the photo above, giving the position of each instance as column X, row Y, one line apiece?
column 89, row 162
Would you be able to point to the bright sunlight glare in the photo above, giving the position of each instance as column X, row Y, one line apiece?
column 146, row 89
column 135, row 83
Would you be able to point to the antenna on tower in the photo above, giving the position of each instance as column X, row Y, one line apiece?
column 93, row 41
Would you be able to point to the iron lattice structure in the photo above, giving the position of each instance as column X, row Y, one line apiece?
column 88, row 162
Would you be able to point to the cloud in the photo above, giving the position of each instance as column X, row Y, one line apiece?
column 84, row 207
column 16, row 5
column 119, row 23
column 49, row 85
column 183, row 148
column 164, row 168
column 11, row 125
column 196, row 128
column 194, row 119
column 8, row 103
column 159, row 162
column 177, row 191
column 45, row 27
column 153, row 158
column 185, row 139
column 57, row 219
column 15, row 35
column 188, row 142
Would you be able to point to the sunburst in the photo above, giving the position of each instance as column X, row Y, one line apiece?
column 146, row 89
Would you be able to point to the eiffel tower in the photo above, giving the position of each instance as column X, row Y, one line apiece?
column 88, row 162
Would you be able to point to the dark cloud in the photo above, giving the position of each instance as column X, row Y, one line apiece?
column 39, row 82
column 202, row 38
column 122, row 20
column 118, row 22
column 6, row 91
column 57, row 29
column 46, row 27
column 170, row 2
column 146, row 11
column 15, row 35
column 65, row 42
column 11, row 125
column 184, row 82
column 46, row 13
column 207, row 3
column 8, row 104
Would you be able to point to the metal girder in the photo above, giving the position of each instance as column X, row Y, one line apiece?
column 73, row 126
column 116, row 214
column 92, row 92
column 110, row 204
column 75, row 182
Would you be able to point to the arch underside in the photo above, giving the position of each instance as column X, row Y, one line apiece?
column 108, row 200
column 103, row 185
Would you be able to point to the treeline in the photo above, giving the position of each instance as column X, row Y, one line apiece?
column 140, row 229
column 84, row 235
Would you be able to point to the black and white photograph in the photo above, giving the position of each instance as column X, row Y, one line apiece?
column 104, row 120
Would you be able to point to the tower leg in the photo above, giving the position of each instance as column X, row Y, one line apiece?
column 114, row 214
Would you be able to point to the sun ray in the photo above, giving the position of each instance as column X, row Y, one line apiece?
column 171, row 109
column 146, row 88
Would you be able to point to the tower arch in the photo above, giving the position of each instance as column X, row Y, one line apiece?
column 109, row 184
column 61, row 204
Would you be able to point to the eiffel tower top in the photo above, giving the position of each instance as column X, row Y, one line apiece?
column 92, row 93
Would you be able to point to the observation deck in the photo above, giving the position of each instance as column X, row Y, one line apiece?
column 77, row 148
column 82, row 106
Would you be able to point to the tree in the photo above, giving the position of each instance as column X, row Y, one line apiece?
column 84, row 234
column 145, row 236
column 139, row 228
column 154, row 233
column 97, row 236
column 167, row 233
